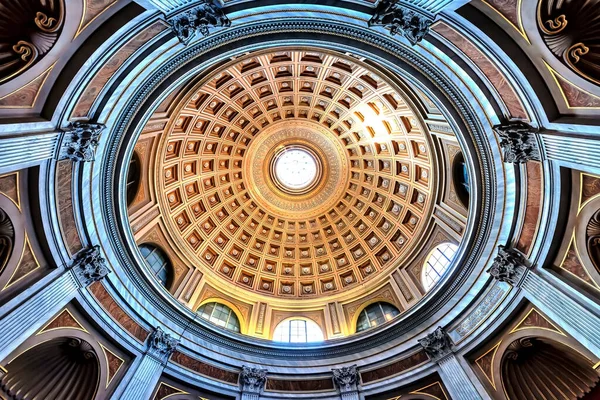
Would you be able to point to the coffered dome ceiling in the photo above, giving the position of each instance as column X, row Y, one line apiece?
column 295, row 173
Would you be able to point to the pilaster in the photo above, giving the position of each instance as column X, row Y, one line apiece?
column 347, row 381
column 564, row 309
column 252, row 382
column 438, row 347
column 140, row 386
column 87, row 267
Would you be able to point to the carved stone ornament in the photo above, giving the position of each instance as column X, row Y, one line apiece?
column 437, row 344
column 509, row 266
column 346, row 378
column 89, row 266
column 518, row 142
column 29, row 29
column 7, row 238
column 80, row 141
column 593, row 239
column 161, row 344
column 253, row 379
column 571, row 30
column 401, row 20
column 198, row 20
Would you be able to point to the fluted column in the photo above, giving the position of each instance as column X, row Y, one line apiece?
column 30, row 315
column 76, row 142
column 574, row 152
column 140, row 386
column 18, row 152
column 252, row 382
column 512, row 267
column 438, row 347
column 346, row 379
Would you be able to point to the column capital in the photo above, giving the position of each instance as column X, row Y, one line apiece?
column 161, row 345
column 437, row 344
column 401, row 20
column 252, row 379
column 197, row 20
column 518, row 140
column 346, row 379
column 79, row 141
column 89, row 266
column 509, row 266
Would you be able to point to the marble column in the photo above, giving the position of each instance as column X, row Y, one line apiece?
column 573, row 152
column 142, row 383
column 20, row 152
column 252, row 382
column 438, row 347
column 25, row 319
column 77, row 142
column 563, row 307
column 346, row 380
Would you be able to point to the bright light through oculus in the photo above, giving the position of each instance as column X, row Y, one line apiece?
column 296, row 169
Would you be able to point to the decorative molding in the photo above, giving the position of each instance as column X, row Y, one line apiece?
column 509, row 266
column 197, row 20
column 252, row 380
column 161, row 345
column 518, row 140
column 346, row 379
column 80, row 140
column 401, row 20
column 437, row 344
column 485, row 306
column 593, row 239
column 30, row 29
column 7, row 238
column 89, row 266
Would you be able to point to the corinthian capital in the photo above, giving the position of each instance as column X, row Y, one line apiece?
column 518, row 141
column 161, row 344
column 80, row 140
column 401, row 20
column 253, row 379
column 89, row 266
column 437, row 344
column 198, row 20
column 346, row 379
column 509, row 266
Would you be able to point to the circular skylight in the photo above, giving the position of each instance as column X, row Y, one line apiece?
column 296, row 169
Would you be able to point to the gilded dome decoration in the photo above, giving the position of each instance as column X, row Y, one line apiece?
column 240, row 208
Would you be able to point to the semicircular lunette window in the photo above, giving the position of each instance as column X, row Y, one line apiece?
column 298, row 331
column 158, row 262
column 376, row 314
column 437, row 264
column 220, row 315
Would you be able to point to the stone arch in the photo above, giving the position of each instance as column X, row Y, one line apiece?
column 587, row 238
column 69, row 358
column 12, row 237
column 515, row 353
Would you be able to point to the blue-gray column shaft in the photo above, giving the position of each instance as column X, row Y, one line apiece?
column 574, row 152
column 571, row 316
column 456, row 379
column 144, row 380
column 19, row 152
column 32, row 314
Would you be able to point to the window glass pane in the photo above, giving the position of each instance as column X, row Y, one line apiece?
column 298, row 331
column 374, row 315
column 158, row 262
column 220, row 315
column 437, row 264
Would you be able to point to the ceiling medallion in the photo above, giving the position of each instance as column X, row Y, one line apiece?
column 295, row 169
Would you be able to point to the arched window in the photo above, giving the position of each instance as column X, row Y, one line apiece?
column 460, row 175
column 221, row 315
column 133, row 178
column 374, row 315
column 298, row 331
column 158, row 262
column 437, row 263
